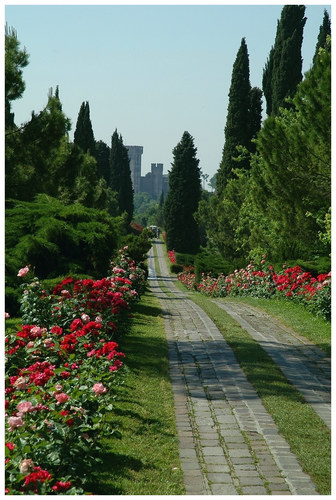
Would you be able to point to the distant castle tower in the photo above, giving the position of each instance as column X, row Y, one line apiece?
column 155, row 182
column 134, row 155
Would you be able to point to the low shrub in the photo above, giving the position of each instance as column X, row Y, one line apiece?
column 176, row 268
column 185, row 259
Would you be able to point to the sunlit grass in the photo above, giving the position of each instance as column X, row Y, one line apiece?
column 145, row 461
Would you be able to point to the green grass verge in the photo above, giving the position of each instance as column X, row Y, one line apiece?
column 295, row 316
column 305, row 432
column 145, row 461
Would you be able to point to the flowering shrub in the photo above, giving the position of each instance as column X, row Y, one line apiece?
column 172, row 256
column 293, row 283
column 62, row 368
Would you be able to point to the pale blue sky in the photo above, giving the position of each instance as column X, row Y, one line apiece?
column 151, row 71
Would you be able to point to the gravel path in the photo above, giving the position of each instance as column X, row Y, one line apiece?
column 228, row 442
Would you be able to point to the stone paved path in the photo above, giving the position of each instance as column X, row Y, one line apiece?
column 228, row 442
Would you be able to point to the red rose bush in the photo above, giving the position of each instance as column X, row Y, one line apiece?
column 263, row 282
column 62, row 368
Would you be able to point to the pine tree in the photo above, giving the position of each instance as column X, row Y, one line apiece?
column 325, row 30
column 291, row 176
column 244, row 111
column 183, row 197
column 120, row 175
column 15, row 60
column 83, row 135
column 283, row 69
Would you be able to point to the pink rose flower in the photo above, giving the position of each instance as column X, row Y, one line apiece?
column 99, row 319
column 7, row 315
column 27, row 465
column 14, row 422
column 48, row 342
column 85, row 318
column 23, row 271
column 99, row 389
column 25, row 407
column 20, row 383
column 62, row 397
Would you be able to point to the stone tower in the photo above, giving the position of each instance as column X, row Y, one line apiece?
column 134, row 154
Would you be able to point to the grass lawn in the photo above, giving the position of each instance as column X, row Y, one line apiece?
column 305, row 432
column 145, row 461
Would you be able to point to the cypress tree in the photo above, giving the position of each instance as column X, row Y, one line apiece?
column 183, row 197
column 103, row 160
column 283, row 69
column 325, row 30
column 83, row 135
column 244, row 111
column 255, row 116
column 120, row 175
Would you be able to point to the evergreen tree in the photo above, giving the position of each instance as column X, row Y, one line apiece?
column 325, row 31
column 83, row 135
column 255, row 116
column 291, row 175
column 15, row 60
column 244, row 111
column 282, row 71
column 36, row 152
column 120, row 175
column 103, row 160
column 183, row 197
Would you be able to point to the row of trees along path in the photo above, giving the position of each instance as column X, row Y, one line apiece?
column 221, row 422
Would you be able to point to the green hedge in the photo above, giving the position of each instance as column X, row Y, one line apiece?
column 214, row 264
column 56, row 239
column 185, row 259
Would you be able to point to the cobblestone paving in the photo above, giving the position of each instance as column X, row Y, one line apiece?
column 228, row 443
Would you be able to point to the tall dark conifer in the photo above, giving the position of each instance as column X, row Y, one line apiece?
column 120, row 175
column 83, row 135
column 244, row 110
column 102, row 156
column 325, row 30
column 255, row 115
column 283, row 69
column 183, row 197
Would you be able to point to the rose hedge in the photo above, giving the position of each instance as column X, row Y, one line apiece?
column 262, row 281
column 62, row 368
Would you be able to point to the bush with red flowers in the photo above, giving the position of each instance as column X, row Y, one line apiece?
column 62, row 367
column 262, row 281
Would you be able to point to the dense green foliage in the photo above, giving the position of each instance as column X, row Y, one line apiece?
column 280, row 206
column 291, row 174
column 120, row 175
column 243, row 118
column 56, row 239
column 83, row 135
column 102, row 155
column 183, row 198
column 282, row 72
column 15, row 60
column 324, row 33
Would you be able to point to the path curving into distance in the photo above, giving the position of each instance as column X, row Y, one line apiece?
column 228, row 442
